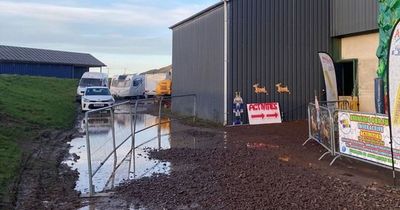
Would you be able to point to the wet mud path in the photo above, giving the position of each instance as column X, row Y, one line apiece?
column 260, row 167
column 189, row 167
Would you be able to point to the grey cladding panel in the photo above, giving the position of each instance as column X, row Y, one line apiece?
column 277, row 41
column 198, row 64
column 353, row 16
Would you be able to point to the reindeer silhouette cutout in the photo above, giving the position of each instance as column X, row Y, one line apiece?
column 282, row 88
column 259, row 90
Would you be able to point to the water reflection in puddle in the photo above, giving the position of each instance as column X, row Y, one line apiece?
column 130, row 165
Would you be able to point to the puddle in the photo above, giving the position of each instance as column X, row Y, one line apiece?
column 261, row 146
column 123, row 164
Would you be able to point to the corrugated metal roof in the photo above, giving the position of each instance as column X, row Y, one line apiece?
column 353, row 16
column 197, row 15
column 32, row 55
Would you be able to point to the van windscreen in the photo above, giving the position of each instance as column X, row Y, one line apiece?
column 88, row 82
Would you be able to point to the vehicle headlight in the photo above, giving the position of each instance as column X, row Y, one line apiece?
column 110, row 100
column 85, row 100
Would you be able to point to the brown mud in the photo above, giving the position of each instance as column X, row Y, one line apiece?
column 246, row 167
column 43, row 181
column 46, row 183
column 259, row 167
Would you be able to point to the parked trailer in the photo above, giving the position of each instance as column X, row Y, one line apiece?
column 128, row 86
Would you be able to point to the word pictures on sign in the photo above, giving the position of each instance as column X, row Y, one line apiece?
column 366, row 136
column 264, row 113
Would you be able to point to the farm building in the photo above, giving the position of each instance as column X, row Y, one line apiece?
column 272, row 42
column 48, row 63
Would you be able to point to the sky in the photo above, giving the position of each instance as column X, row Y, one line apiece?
column 129, row 36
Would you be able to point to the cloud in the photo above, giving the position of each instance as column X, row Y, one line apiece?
column 118, row 13
column 130, row 34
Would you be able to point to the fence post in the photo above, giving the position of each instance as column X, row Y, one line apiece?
column 113, row 134
column 133, row 127
column 309, row 120
column 309, row 125
column 89, row 158
column 194, row 108
column 133, row 133
column 159, row 123
column 332, row 133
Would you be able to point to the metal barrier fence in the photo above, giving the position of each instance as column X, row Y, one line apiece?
column 321, row 124
column 320, row 127
column 333, row 105
column 324, row 129
column 133, row 112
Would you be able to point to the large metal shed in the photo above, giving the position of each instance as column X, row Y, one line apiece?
column 48, row 63
column 269, row 42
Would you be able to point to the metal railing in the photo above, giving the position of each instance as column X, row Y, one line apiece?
column 341, row 104
column 133, row 112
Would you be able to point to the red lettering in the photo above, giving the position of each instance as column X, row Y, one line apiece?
column 397, row 34
column 253, row 107
column 263, row 106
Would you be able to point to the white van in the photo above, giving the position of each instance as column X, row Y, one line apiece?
column 128, row 86
column 90, row 79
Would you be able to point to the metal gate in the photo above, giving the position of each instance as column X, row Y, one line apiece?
column 162, row 104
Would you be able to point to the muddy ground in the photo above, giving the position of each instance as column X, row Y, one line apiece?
column 43, row 181
column 247, row 167
column 258, row 167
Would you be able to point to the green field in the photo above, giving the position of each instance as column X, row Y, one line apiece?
column 29, row 105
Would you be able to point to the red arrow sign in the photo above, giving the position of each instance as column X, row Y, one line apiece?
column 273, row 115
column 258, row 116
column 263, row 113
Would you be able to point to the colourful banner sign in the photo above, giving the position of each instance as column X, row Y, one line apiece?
column 367, row 137
column 264, row 113
column 330, row 76
column 394, row 84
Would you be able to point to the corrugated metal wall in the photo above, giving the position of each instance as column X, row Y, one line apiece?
column 277, row 41
column 46, row 70
column 79, row 71
column 198, row 64
column 353, row 16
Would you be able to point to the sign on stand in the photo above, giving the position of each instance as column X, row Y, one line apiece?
column 366, row 137
column 328, row 69
column 264, row 113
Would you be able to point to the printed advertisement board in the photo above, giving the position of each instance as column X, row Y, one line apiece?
column 394, row 84
column 367, row 137
column 264, row 113
column 330, row 76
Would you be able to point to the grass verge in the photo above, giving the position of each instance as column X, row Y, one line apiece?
column 29, row 105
